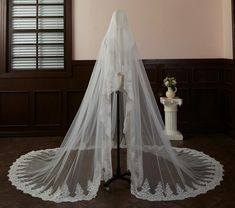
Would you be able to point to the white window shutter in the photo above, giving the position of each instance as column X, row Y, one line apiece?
column 36, row 34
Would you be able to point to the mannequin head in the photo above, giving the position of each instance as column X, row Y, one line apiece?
column 119, row 19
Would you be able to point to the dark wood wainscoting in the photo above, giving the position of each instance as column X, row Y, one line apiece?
column 229, row 98
column 46, row 106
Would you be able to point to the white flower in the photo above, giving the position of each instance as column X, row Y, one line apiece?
column 169, row 81
column 166, row 83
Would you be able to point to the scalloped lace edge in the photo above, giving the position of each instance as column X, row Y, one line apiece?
column 166, row 194
column 62, row 194
column 161, row 194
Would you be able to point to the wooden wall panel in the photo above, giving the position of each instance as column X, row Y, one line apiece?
column 228, row 100
column 182, row 73
column 184, row 111
column 228, row 108
column 14, row 109
column 205, row 111
column 206, row 75
column 48, row 105
column 48, row 108
column 74, row 100
column 228, row 77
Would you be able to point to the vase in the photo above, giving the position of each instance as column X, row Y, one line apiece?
column 170, row 93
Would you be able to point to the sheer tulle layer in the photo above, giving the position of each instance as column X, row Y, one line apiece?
column 158, row 172
column 208, row 169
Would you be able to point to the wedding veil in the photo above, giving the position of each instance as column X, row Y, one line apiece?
column 74, row 171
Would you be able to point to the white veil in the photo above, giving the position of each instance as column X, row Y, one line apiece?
column 158, row 172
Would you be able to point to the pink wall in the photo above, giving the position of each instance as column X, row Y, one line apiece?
column 227, row 29
column 163, row 29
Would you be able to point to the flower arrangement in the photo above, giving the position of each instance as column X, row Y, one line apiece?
column 170, row 82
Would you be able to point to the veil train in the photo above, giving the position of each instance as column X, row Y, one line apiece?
column 74, row 171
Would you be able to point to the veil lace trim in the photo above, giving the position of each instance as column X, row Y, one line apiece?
column 165, row 193
column 162, row 193
column 62, row 194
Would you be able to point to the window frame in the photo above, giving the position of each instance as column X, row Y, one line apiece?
column 5, row 70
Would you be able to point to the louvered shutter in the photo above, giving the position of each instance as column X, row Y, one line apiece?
column 36, row 34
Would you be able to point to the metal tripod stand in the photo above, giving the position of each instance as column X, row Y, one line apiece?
column 118, row 175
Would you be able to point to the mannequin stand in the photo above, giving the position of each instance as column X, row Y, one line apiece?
column 118, row 174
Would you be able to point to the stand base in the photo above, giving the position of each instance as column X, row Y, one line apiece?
column 174, row 135
column 117, row 176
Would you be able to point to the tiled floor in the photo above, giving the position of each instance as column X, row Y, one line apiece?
column 217, row 146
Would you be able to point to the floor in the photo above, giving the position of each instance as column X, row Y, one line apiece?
column 217, row 146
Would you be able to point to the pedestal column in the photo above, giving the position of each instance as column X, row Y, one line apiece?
column 170, row 108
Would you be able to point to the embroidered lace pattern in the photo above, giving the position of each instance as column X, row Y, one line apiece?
column 162, row 193
column 62, row 194
column 165, row 193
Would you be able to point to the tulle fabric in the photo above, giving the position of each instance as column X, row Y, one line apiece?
column 74, row 171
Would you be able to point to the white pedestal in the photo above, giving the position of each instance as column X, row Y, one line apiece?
column 170, row 108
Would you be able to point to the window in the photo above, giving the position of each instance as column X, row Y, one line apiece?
column 37, row 35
